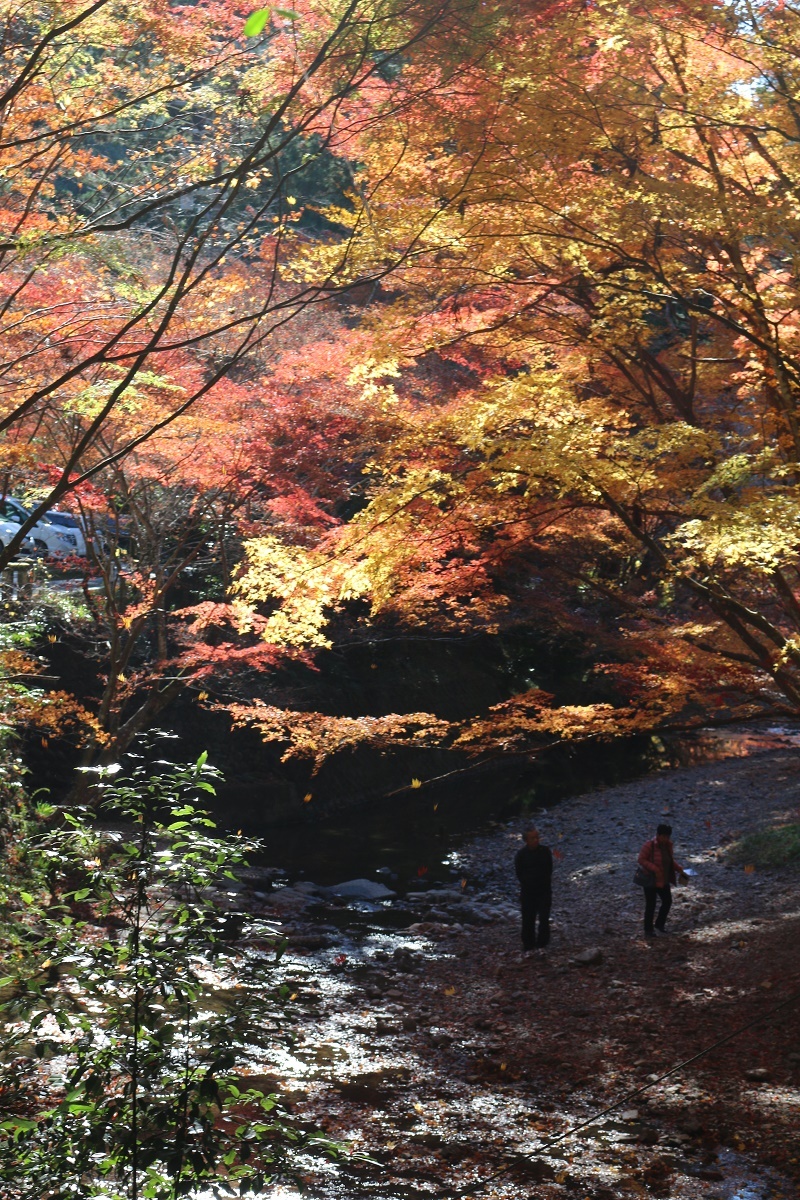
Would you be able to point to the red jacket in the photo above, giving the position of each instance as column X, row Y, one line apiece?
column 652, row 859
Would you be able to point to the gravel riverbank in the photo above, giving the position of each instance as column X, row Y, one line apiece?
column 464, row 1067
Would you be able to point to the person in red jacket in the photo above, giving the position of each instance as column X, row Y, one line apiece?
column 657, row 857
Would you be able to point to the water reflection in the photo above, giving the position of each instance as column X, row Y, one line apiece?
column 733, row 741
column 405, row 839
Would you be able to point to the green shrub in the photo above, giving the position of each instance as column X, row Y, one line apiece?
column 117, row 1053
column 775, row 847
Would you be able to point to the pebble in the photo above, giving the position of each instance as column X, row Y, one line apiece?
column 589, row 958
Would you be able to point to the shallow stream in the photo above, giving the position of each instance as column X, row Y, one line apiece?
column 403, row 1030
column 411, row 839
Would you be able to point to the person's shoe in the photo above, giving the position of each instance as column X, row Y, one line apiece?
column 649, row 933
column 661, row 932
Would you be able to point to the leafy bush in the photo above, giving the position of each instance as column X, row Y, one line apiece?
column 775, row 847
column 125, row 1003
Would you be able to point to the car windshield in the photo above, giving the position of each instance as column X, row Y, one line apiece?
column 57, row 518
column 14, row 511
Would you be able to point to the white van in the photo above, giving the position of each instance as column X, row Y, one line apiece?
column 47, row 538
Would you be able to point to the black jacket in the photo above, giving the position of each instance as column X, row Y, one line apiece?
column 534, row 868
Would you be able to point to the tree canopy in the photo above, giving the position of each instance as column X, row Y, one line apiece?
column 608, row 272
column 437, row 317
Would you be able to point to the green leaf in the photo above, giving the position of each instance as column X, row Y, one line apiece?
column 26, row 897
column 254, row 25
column 18, row 1125
column 286, row 12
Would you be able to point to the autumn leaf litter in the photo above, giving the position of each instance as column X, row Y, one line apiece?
column 447, row 1057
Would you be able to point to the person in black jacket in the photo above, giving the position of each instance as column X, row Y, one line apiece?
column 534, row 867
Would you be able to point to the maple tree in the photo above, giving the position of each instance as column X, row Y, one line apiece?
column 609, row 272
column 156, row 617
column 576, row 404
column 156, row 161
column 161, row 164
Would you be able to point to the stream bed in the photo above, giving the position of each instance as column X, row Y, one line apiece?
column 423, row 1038
column 405, row 839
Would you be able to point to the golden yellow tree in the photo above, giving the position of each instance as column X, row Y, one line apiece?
column 610, row 268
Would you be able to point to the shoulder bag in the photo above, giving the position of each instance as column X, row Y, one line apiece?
column 643, row 878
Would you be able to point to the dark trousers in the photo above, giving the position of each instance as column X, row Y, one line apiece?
column 535, row 906
column 650, row 895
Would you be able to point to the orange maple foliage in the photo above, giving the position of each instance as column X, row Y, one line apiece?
column 575, row 407
column 151, row 154
column 606, row 274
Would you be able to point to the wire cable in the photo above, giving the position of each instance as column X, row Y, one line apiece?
column 626, row 1099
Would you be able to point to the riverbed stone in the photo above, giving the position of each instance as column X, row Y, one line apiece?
column 591, row 957
column 312, row 941
column 257, row 877
column 435, row 914
column 288, row 897
column 307, row 888
column 360, row 889
column 372, row 1087
column 471, row 914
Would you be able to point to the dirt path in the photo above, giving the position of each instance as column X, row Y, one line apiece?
column 447, row 1056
